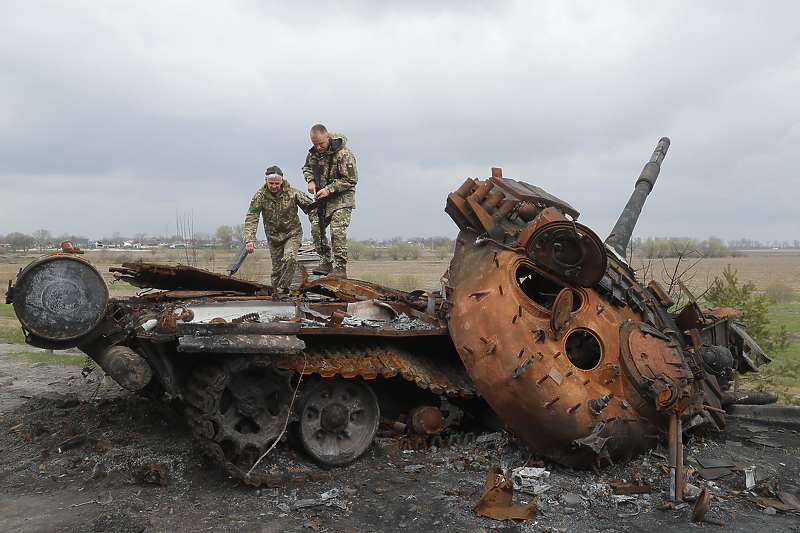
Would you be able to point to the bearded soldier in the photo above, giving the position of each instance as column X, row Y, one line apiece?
column 331, row 174
column 277, row 202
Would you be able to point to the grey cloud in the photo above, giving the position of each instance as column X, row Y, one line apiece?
column 182, row 106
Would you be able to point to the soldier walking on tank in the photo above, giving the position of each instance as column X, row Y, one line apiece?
column 330, row 171
column 277, row 202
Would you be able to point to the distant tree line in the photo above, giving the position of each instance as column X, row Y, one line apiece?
column 673, row 247
column 224, row 236
column 41, row 238
column 660, row 248
column 749, row 244
column 398, row 248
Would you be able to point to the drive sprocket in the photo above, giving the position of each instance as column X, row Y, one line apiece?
column 239, row 408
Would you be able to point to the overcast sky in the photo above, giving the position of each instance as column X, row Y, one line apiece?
column 129, row 115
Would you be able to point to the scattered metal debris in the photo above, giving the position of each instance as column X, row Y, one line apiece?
column 537, row 317
column 104, row 498
column 154, row 473
column 496, row 499
column 636, row 486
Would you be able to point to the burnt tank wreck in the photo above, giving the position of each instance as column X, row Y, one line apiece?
column 537, row 318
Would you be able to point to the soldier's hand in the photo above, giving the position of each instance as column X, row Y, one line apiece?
column 250, row 247
column 312, row 188
column 323, row 193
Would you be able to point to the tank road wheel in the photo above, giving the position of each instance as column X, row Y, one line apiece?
column 338, row 420
column 247, row 404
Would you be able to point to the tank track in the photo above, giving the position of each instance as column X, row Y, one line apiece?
column 372, row 359
column 367, row 360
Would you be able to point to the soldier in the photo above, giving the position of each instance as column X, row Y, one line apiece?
column 334, row 187
column 277, row 201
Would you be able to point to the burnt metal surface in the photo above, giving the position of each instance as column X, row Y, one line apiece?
column 338, row 418
column 182, row 277
column 496, row 499
column 231, row 350
column 587, row 380
column 60, row 297
column 537, row 316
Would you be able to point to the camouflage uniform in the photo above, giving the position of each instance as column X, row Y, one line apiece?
column 282, row 226
column 338, row 174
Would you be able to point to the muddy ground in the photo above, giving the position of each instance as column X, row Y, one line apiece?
column 78, row 453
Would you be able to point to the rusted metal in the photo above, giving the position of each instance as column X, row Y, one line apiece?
column 181, row 277
column 153, row 473
column 124, row 365
column 636, row 486
column 426, row 420
column 338, row 418
column 387, row 446
column 224, row 343
column 702, row 506
column 536, row 315
column 496, row 499
column 625, row 364
column 675, row 458
column 68, row 248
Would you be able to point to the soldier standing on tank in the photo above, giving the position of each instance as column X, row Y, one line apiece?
column 337, row 175
column 277, row 202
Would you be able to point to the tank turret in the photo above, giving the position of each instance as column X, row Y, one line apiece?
column 581, row 361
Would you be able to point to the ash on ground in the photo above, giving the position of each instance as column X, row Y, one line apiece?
column 81, row 455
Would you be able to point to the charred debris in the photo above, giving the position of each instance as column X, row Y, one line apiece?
column 538, row 321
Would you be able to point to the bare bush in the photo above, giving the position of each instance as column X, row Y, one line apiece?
column 407, row 282
column 779, row 292
column 355, row 249
column 381, row 278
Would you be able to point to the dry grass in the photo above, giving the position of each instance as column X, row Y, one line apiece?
column 763, row 268
column 760, row 267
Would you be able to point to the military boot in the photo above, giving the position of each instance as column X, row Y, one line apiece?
column 323, row 269
column 339, row 273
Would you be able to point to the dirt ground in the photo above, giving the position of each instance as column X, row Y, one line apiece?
column 80, row 454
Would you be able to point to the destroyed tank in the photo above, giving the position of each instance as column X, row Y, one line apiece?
column 536, row 317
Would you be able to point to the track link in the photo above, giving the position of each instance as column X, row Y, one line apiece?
column 236, row 451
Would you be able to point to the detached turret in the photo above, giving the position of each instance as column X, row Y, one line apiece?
column 623, row 229
column 581, row 361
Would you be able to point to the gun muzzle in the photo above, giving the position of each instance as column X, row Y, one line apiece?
column 623, row 229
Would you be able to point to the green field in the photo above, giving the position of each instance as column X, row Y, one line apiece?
column 783, row 374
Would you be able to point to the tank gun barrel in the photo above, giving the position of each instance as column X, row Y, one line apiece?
column 623, row 229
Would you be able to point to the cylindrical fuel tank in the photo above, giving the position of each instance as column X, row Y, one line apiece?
column 123, row 364
column 60, row 297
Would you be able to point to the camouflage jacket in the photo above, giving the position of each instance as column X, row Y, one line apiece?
column 337, row 172
column 279, row 212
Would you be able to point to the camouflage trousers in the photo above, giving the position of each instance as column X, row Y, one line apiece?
column 336, row 251
column 284, row 259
